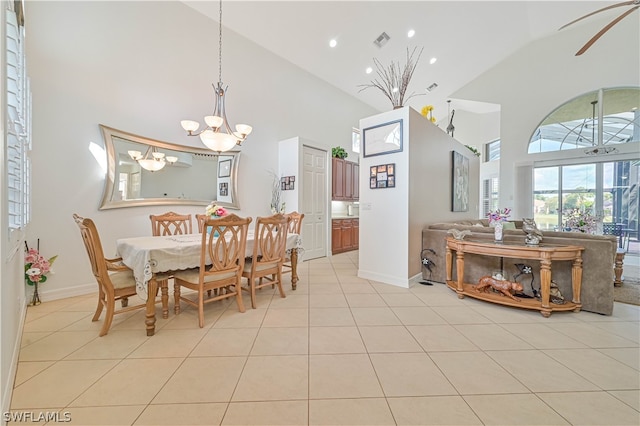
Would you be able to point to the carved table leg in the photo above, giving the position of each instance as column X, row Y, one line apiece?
column 150, row 321
column 294, row 268
column 576, row 282
column 165, row 298
column 545, row 286
column 449, row 264
column 460, row 273
column 618, row 268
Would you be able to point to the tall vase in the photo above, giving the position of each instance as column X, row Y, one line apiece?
column 497, row 232
column 35, row 300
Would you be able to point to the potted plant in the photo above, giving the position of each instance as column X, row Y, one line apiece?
column 339, row 152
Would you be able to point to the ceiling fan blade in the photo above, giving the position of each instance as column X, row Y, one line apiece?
column 626, row 3
column 604, row 30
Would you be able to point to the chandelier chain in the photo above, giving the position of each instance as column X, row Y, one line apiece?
column 220, row 44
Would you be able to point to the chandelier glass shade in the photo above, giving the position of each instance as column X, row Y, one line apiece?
column 152, row 159
column 218, row 135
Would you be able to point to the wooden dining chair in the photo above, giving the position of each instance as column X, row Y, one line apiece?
column 265, row 264
column 226, row 255
column 115, row 280
column 201, row 219
column 295, row 227
column 170, row 223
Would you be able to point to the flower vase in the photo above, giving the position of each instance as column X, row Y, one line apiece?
column 35, row 300
column 497, row 232
column 216, row 234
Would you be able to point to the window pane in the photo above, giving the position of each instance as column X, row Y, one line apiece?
column 545, row 202
column 574, row 125
column 546, row 211
column 621, row 122
column 492, row 150
column 579, row 177
column 355, row 140
column 546, row 179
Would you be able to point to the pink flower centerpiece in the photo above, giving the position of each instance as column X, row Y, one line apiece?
column 215, row 210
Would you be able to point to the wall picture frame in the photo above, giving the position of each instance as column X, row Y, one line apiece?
column 382, row 176
column 459, row 182
column 224, row 168
column 382, row 139
column 287, row 183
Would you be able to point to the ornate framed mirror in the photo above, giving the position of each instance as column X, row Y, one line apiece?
column 148, row 172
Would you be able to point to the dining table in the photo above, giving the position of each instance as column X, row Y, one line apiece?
column 153, row 258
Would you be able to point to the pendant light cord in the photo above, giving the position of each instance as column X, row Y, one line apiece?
column 220, row 45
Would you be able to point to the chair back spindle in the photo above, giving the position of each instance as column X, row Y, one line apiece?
column 170, row 223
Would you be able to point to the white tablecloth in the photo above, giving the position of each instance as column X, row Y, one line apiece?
column 149, row 255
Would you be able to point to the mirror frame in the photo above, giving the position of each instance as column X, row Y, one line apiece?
column 107, row 197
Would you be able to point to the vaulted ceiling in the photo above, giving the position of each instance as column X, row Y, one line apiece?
column 466, row 37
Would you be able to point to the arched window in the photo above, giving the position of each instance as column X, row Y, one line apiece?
column 596, row 120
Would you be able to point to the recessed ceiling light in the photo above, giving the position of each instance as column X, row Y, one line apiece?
column 411, row 33
column 394, row 90
column 369, row 70
column 333, row 43
column 433, row 60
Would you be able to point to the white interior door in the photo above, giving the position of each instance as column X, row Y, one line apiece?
column 314, row 203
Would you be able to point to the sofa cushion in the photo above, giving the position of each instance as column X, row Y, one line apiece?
column 508, row 225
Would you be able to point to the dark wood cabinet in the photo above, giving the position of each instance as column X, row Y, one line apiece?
column 337, row 183
column 348, row 180
column 356, row 181
column 345, row 235
column 345, row 180
column 336, row 236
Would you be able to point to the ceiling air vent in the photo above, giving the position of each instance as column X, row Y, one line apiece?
column 382, row 39
column 432, row 87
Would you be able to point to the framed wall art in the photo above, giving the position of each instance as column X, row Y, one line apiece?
column 287, row 183
column 459, row 182
column 382, row 139
column 224, row 189
column 382, row 176
column 224, row 168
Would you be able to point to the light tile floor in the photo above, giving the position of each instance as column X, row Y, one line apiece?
column 338, row 350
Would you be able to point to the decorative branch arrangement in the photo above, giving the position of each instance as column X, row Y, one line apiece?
column 277, row 205
column 394, row 81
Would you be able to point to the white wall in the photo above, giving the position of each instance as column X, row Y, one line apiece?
column 142, row 67
column 392, row 219
column 289, row 164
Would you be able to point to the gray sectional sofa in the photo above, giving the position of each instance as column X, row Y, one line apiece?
column 598, row 259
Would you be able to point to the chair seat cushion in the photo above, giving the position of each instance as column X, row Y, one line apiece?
column 122, row 279
column 193, row 275
column 261, row 267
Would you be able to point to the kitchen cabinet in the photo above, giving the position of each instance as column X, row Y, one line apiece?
column 345, row 234
column 345, row 180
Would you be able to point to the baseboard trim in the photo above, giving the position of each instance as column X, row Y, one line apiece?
column 47, row 295
column 385, row 279
column 8, row 391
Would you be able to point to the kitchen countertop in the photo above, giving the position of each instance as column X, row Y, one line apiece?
column 342, row 216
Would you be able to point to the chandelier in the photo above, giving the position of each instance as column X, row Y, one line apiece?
column 217, row 135
column 154, row 162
